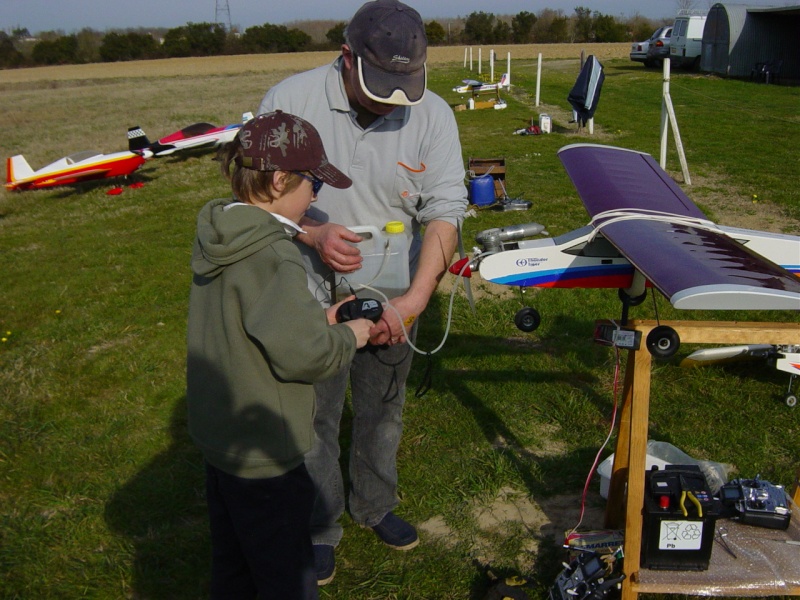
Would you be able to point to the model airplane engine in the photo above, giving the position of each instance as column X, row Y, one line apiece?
column 492, row 239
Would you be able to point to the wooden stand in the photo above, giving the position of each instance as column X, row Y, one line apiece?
column 631, row 450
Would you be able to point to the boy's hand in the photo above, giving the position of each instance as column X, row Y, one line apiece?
column 361, row 329
column 331, row 312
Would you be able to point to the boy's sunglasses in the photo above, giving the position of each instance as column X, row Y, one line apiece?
column 316, row 184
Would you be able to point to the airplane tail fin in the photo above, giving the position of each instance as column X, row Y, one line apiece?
column 137, row 139
column 17, row 168
column 505, row 81
column 246, row 117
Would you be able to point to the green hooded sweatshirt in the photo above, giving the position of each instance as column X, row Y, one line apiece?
column 257, row 341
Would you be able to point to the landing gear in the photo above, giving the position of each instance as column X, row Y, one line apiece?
column 790, row 398
column 663, row 341
column 527, row 319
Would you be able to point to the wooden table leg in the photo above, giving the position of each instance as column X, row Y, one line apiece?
column 615, row 507
column 637, row 463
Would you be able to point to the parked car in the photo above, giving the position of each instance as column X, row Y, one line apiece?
column 639, row 50
column 688, row 40
column 658, row 49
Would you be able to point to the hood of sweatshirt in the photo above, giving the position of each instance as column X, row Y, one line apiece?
column 228, row 231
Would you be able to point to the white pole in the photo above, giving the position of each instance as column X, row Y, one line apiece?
column 664, row 115
column 667, row 105
column 590, row 122
column 465, row 57
column 480, row 59
column 538, row 77
column 491, row 65
column 508, row 68
column 470, row 59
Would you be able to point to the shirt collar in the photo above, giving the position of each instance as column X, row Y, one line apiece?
column 289, row 226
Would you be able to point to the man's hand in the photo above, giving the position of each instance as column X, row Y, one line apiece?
column 330, row 240
column 388, row 330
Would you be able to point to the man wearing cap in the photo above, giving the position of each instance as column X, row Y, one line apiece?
column 399, row 144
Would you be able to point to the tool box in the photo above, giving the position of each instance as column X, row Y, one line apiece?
column 679, row 518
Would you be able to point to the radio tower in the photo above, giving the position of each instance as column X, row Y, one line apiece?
column 222, row 14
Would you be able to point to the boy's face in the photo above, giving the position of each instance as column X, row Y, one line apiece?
column 293, row 205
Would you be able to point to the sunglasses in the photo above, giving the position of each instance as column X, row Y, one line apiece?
column 316, row 184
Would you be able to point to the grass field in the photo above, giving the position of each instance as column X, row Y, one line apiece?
column 101, row 491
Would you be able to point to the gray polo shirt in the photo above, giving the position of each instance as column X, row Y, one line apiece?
column 406, row 166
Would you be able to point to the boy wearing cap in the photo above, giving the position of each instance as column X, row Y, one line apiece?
column 399, row 144
column 257, row 341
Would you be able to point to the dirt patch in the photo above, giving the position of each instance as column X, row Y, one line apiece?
column 511, row 512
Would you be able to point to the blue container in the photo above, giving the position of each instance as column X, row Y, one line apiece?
column 481, row 190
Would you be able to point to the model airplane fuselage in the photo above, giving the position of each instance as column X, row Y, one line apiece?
column 475, row 87
column 643, row 223
column 197, row 135
column 582, row 259
column 76, row 168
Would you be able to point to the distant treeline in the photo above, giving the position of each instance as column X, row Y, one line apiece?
column 20, row 49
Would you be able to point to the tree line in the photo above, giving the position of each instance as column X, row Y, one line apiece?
column 19, row 49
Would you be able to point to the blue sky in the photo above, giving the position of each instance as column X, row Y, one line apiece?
column 73, row 15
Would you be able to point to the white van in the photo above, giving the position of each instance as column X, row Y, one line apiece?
column 687, row 40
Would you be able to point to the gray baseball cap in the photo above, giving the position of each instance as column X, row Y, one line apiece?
column 389, row 42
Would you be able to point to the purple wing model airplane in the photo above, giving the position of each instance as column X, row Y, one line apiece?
column 644, row 231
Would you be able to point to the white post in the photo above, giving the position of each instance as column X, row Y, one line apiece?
column 465, row 57
column 491, row 65
column 664, row 114
column 538, row 77
column 590, row 123
column 470, row 59
column 480, row 59
column 508, row 68
column 667, row 105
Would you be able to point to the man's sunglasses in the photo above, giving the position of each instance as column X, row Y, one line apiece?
column 316, row 184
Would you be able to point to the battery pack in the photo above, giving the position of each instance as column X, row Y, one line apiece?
column 678, row 520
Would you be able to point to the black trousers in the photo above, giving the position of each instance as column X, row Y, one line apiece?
column 260, row 537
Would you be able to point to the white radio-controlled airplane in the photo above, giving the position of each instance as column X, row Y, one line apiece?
column 644, row 231
column 475, row 87
column 197, row 135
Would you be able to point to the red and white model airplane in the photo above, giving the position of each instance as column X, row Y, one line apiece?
column 75, row 168
column 644, row 231
column 197, row 135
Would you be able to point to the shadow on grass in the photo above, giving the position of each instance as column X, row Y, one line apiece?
column 551, row 478
column 162, row 513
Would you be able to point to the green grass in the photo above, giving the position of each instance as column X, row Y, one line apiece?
column 101, row 491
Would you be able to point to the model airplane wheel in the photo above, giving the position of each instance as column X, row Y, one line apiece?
column 791, row 400
column 663, row 342
column 527, row 319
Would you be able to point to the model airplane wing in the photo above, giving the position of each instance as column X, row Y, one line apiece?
column 647, row 217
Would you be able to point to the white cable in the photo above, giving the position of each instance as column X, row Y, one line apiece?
column 400, row 317
column 619, row 215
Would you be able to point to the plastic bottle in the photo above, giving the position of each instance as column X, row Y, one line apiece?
column 384, row 256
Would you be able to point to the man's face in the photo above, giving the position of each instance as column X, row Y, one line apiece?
column 354, row 90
